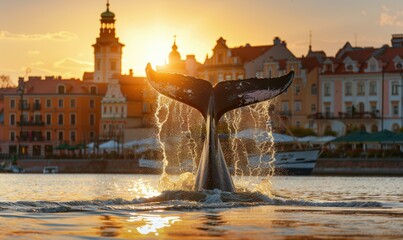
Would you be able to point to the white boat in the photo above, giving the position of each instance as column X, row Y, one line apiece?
column 51, row 169
column 298, row 162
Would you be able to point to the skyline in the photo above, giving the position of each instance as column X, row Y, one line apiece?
column 55, row 37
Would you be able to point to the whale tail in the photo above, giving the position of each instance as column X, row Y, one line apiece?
column 228, row 95
column 213, row 102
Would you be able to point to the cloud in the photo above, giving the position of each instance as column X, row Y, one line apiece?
column 33, row 52
column 389, row 17
column 57, row 36
column 73, row 64
column 37, row 63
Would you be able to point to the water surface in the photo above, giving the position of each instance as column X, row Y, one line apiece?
column 81, row 206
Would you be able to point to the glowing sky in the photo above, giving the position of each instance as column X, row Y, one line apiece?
column 54, row 37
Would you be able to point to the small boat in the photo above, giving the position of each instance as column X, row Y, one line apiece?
column 50, row 169
column 296, row 162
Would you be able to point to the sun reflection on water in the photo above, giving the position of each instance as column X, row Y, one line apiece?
column 143, row 189
column 152, row 223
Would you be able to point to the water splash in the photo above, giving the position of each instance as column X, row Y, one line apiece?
column 161, row 117
column 174, row 118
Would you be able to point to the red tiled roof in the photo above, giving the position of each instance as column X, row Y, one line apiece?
column 38, row 86
column 309, row 63
column 88, row 76
column 361, row 55
column 133, row 87
column 248, row 53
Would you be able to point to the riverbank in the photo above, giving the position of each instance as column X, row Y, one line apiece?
column 324, row 166
column 359, row 166
column 124, row 166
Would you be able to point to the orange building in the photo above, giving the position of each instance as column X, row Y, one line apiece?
column 43, row 113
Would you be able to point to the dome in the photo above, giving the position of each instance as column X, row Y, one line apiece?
column 107, row 14
column 174, row 55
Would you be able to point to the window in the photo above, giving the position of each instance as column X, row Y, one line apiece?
column 361, row 88
column 395, row 88
column 361, row 107
column 12, row 119
column 73, row 136
column 298, row 124
column 92, row 120
column 60, row 90
column 38, row 118
column 72, row 103
column 48, row 119
column 395, row 109
column 327, row 89
column 48, row 103
column 113, row 65
column 240, row 76
column 60, row 119
column 313, row 108
column 12, row 136
column 12, row 103
column 93, row 90
column 297, row 106
column 92, row 103
column 73, row 119
column 98, row 65
column 220, row 58
column 220, row 77
column 314, row 89
column 60, row 136
column 372, row 88
column 284, row 106
column 297, row 89
column 348, row 90
column 227, row 77
column 60, row 103
column 48, row 136
column 373, row 107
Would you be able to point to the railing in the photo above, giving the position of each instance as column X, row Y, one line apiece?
column 36, row 107
column 33, row 124
column 345, row 115
column 25, row 106
column 30, row 138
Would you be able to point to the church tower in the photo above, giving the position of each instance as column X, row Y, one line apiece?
column 107, row 49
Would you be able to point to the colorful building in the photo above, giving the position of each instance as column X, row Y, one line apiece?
column 361, row 88
column 43, row 113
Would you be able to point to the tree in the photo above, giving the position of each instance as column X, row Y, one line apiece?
column 6, row 82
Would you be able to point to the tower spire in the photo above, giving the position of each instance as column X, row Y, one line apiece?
column 107, row 5
column 310, row 41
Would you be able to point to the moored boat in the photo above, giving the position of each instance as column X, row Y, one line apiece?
column 297, row 162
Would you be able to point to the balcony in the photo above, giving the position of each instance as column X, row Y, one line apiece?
column 31, row 123
column 345, row 115
column 36, row 107
column 24, row 138
column 24, row 106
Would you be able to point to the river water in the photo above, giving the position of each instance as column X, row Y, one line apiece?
column 104, row 206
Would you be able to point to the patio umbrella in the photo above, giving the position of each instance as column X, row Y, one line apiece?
column 63, row 146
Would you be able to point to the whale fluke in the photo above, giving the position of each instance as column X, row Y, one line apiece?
column 213, row 102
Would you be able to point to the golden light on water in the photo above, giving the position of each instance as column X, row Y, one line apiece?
column 151, row 223
column 144, row 189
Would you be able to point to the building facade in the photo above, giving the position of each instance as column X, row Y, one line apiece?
column 43, row 113
column 361, row 89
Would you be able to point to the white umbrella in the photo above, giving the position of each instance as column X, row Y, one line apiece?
column 111, row 144
column 262, row 135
